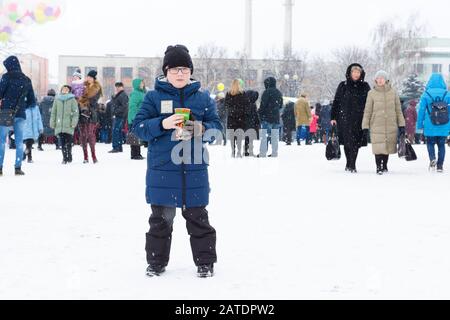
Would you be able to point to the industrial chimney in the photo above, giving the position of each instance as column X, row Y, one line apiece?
column 248, row 28
column 289, row 4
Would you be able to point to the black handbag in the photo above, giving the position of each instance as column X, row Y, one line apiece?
column 7, row 116
column 333, row 151
column 402, row 146
column 410, row 153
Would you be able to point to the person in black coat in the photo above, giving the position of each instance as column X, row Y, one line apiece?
column 252, row 123
column 105, row 122
column 269, row 114
column 348, row 112
column 236, row 104
column 16, row 93
column 120, row 112
column 45, row 107
column 289, row 124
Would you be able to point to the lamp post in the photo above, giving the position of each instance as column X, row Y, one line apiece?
column 292, row 85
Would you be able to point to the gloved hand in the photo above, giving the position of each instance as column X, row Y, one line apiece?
column 402, row 131
column 195, row 128
column 366, row 133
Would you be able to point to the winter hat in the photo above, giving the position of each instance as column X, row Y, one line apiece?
column 78, row 74
column 177, row 56
column 51, row 93
column 382, row 74
column 326, row 102
column 93, row 74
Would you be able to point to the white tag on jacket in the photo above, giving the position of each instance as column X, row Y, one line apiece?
column 167, row 107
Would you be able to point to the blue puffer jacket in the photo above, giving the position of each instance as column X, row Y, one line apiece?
column 16, row 89
column 170, row 184
column 33, row 124
column 436, row 88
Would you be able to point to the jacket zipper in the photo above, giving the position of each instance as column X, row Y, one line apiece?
column 62, row 119
column 183, row 166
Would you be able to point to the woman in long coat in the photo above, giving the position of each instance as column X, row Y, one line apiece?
column 383, row 116
column 348, row 112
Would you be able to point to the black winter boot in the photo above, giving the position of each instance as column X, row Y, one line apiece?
column 19, row 172
column 155, row 271
column 205, row 271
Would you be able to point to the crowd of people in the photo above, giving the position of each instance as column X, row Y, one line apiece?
column 359, row 114
column 74, row 115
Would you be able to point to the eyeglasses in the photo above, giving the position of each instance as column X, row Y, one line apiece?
column 177, row 70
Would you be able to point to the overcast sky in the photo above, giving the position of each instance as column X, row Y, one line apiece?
column 145, row 28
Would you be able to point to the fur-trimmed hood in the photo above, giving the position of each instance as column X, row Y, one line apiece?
column 91, row 91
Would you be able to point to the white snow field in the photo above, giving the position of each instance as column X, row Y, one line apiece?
column 296, row 227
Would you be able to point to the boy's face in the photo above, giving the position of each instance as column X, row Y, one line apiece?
column 65, row 90
column 179, row 77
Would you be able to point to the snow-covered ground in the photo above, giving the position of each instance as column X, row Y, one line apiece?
column 296, row 227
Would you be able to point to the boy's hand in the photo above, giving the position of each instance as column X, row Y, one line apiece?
column 173, row 121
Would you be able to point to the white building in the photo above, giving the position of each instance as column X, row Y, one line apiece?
column 434, row 57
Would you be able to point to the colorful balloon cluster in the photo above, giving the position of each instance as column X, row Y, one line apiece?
column 14, row 14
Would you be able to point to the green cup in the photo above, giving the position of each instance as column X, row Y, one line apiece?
column 185, row 112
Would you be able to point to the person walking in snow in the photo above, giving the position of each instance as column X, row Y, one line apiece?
column 325, row 121
column 16, row 94
column 252, row 123
column 411, row 120
column 236, row 104
column 435, row 124
column 88, row 115
column 348, row 112
column 45, row 107
column 303, row 118
column 64, row 120
column 383, row 116
column 269, row 114
column 136, row 98
column 313, row 128
column 178, row 183
column 120, row 103
column 289, row 123
column 32, row 130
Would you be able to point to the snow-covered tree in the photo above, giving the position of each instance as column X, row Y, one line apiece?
column 413, row 87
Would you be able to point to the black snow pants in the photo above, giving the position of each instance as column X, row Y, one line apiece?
column 159, row 238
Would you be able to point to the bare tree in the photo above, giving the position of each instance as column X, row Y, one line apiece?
column 395, row 47
column 211, row 63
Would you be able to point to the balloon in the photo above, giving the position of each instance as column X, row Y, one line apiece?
column 21, row 13
column 242, row 83
column 220, row 87
column 4, row 37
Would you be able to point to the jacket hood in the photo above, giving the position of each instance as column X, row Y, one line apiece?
column 162, row 84
column 66, row 97
column 137, row 84
column 348, row 75
column 436, row 82
column 12, row 64
column 270, row 83
column 48, row 98
column 253, row 96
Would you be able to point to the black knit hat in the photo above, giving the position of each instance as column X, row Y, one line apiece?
column 51, row 93
column 93, row 74
column 177, row 56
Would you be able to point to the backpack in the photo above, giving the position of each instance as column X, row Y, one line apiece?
column 439, row 110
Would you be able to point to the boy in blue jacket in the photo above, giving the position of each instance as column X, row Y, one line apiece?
column 173, row 182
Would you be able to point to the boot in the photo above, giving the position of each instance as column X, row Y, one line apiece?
column 205, row 271
column 1, row 172
column 155, row 270
column 19, row 172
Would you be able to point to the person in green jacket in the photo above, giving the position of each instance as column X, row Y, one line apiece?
column 64, row 120
column 136, row 99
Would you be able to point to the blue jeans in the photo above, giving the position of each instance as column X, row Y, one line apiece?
column 440, row 141
column 299, row 133
column 117, row 135
column 19, row 125
column 104, row 135
column 270, row 133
